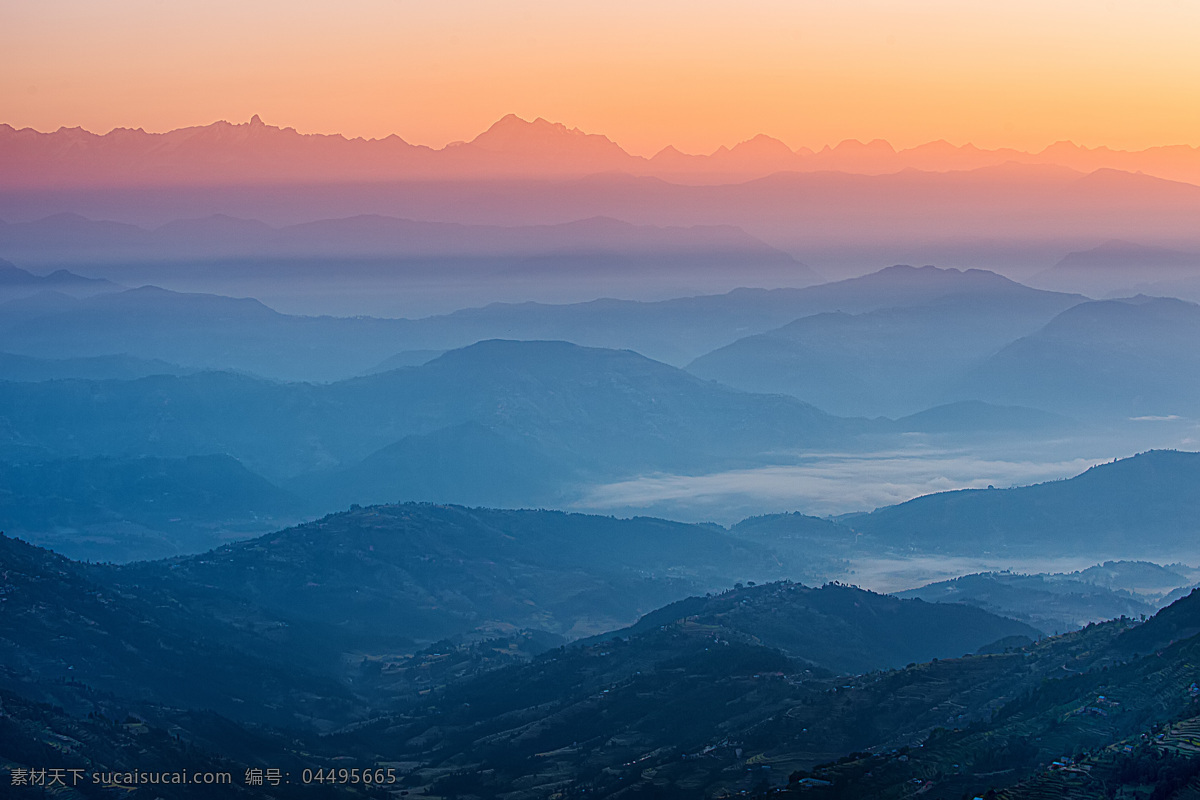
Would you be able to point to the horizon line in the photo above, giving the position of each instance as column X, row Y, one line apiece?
column 801, row 151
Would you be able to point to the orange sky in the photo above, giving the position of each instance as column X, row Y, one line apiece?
column 696, row 74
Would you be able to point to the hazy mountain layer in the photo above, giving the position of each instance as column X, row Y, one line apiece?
column 1012, row 217
column 16, row 282
column 1051, row 603
column 205, row 331
column 113, row 245
column 890, row 361
column 122, row 509
column 595, row 410
column 119, row 367
column 401, row 573
column 1136, row 357
column 1134, row 507
column 386, row 266
column 1114, row 265
column 972, row 417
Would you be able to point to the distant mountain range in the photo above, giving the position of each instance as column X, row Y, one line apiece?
column 258, row 152
column 212, row 193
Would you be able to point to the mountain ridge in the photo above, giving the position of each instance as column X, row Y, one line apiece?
column 560, row 150
column 1126, row 507
column 1132, row 358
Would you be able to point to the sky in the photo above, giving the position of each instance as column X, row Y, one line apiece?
column 694, row 74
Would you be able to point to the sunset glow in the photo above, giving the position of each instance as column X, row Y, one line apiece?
column 695, row 75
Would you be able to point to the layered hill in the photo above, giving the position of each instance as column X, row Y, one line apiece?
column 1134, row 507
column 838, row 628
column 198, row 331
column 1119, row 729
column 225, row 629
column 698, row 697
column 890, row 361
column 1135, row 357
column 114, row 745
column 608, row 409
column 120, row 509
column 387, row 576
column 16, row 283
column 497, row 423
column 966, row 417
column 64, row 236
column 1052, row 603
column 813, row 548
column 693, row 705
column 62, row 624
column 208, row 331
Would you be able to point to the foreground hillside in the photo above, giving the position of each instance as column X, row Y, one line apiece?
column 315, row 646
column 381, row 580
column 1120, row 730
column 384, row 583
column 689, row 709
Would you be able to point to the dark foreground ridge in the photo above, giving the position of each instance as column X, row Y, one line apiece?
column 296, row 651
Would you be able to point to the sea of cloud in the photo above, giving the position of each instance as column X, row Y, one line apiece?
column 823, row 484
